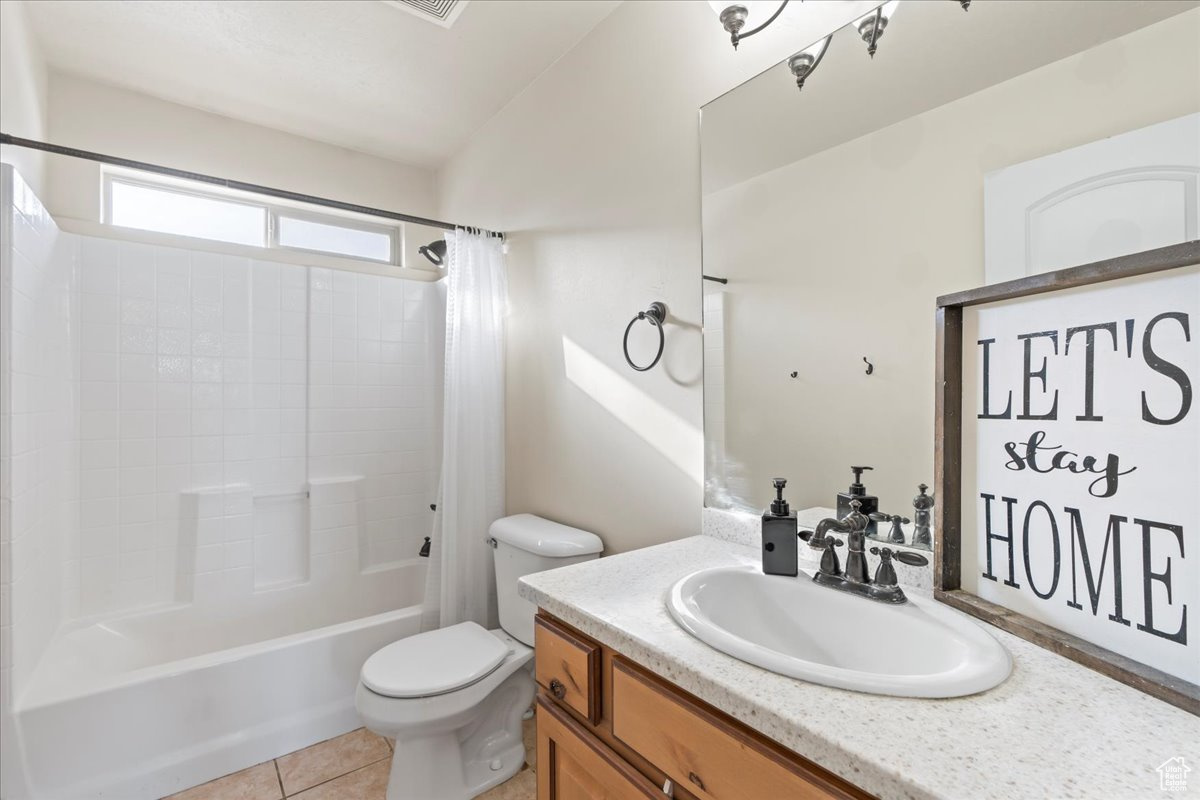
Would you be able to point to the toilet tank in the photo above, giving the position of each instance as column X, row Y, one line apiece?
column 526, row 544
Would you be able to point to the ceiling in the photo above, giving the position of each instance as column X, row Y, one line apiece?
column 361, row 74
column 931, row 54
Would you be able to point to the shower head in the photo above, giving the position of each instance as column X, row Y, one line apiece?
column 435, row 252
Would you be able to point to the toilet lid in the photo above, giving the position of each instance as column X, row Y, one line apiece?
column 435, row 662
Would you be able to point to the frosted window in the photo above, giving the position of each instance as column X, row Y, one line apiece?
column 149, row 208
column 305, row 234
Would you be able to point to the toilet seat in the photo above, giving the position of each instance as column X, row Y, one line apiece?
column 434, row 663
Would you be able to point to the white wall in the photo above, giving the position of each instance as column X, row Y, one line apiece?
column 39, row 438
column 118, row 122
column 23, row 90
column 594, row 169
column 856, row 291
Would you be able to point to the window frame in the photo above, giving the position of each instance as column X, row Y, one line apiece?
column 272, row 208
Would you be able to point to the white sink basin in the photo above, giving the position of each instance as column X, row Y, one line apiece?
column 796, row 628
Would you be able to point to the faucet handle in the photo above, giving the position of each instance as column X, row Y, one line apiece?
column 885, row 573
column 903, row 556
column 881, row 517
column 912, row 559
column 829, row 560
column 896, row 534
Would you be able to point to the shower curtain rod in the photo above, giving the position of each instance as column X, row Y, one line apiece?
column 282, row 194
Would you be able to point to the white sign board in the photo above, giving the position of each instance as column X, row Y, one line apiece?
column 1081, row 463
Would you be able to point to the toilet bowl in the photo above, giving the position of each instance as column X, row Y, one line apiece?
column 453, row 699
column 452, row 741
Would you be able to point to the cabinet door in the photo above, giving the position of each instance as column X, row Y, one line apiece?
column 574, row 765
column 713, row 757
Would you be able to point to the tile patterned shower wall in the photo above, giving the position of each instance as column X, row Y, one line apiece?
column 279, row 474
column 280, row 377
column 214, row 556
column 178, row 425
column 339, row 544
column 39, row 432
column 166, row 407
column 212, row 375
column 372, row 403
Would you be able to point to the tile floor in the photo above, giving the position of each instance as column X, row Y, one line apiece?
column 354, row 765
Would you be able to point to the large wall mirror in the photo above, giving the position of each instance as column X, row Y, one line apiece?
column 975, row 146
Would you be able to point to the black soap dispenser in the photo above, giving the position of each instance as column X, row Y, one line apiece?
column 857, row 491
column 779, row 535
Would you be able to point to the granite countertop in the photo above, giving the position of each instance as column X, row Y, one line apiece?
column 1054, row 729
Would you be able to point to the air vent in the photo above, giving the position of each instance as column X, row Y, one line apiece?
column 439, row 12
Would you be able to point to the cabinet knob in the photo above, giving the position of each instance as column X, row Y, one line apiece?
column 694, row 778
column 557, row 689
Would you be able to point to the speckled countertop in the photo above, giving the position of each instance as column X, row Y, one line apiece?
column 1054, row 729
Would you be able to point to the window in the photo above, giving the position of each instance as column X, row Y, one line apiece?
column 153, row 208
column 187, row 209
column 303, row 233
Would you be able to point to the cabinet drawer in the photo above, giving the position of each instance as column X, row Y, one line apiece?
column 575, row 765
column 710, row 755
column 568, row 667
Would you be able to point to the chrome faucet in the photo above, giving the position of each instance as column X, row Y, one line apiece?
column 855, row 578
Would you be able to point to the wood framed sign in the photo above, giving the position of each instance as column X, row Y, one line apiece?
column 1067, row 459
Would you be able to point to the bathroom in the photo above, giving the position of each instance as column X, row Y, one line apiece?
column 426, row 400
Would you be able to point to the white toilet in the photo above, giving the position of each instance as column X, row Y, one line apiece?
column 453, row 699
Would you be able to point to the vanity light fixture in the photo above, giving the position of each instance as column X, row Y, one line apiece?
column 966, row 4
column 734, row 15
column 871, row 26
column 805, row 62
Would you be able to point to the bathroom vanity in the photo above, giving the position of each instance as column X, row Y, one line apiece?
column 604, row 721
column 628, row 700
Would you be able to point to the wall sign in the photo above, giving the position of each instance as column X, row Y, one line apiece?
column 1068, row 457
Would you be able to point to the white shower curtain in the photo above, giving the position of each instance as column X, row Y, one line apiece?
column 460, row 585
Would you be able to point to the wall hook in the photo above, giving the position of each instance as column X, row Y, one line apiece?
column 870, row 366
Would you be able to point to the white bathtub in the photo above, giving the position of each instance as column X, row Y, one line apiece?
column 148, row 704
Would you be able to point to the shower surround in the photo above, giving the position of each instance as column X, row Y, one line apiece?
column 218, row 473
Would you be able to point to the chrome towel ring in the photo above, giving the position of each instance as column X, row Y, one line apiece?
column 656, row 315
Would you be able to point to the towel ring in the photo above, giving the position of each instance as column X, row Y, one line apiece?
column 656, row 314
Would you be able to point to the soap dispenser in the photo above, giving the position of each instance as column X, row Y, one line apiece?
column 869, row 503
column 779, row 536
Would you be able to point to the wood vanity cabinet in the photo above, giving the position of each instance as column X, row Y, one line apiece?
column 607, row 729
